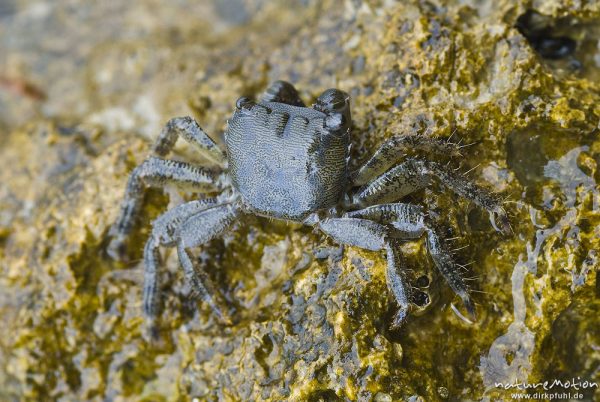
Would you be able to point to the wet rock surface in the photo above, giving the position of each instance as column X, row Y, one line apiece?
column 84, row 89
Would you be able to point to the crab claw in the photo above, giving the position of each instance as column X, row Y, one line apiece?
column 499, row 221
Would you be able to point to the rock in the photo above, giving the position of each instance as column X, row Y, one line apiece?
column 311, row 318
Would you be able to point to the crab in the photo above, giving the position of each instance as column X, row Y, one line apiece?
column 290, row 162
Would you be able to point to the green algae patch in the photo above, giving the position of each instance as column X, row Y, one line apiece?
column 311, row 319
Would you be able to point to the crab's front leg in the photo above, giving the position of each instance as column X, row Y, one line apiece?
column 155, row 172
column 158, row 173
column 370, row 235
column 415, row 174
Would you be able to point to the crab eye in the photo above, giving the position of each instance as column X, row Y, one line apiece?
column 332, row 100
column 241, row 102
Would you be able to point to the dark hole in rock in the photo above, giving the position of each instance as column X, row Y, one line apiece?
column 420, row 298
column 540, row 32
column 422, row 281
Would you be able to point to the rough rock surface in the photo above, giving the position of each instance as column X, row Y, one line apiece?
column 83, row 90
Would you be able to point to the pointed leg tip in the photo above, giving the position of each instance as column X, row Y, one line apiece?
column 154, row 333
column 117, row 249
column 216, row 304
column 151, row 332
column 500, row 222
column 470, row 307
column 399, row 319
column 223, row 316
column 219, row 309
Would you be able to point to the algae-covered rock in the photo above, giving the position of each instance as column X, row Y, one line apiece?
column 84, row 88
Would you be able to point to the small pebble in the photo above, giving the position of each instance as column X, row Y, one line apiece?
column 398, row 352
column 382, row 397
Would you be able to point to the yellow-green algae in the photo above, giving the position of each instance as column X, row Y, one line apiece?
column 307, row 328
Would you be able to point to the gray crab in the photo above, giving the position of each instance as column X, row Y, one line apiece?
column 286, row 161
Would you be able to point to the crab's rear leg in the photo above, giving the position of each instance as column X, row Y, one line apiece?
column 155, row 172
column 393, row 150
column 409, row 222
column 415, row 174
column 370, row 235
column 282, row 92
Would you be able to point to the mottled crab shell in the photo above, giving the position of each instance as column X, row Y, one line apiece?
column 284, row 161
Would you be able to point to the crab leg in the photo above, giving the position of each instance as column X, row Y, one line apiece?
column 199, row 229
column 409, row 222
column 190, row 130
column 369, row 235
column 442, row 258
column 152, row 260
column 155, row 172
column 397, row 284
column 415, row 174
column 164, row 234
column 394, row 149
